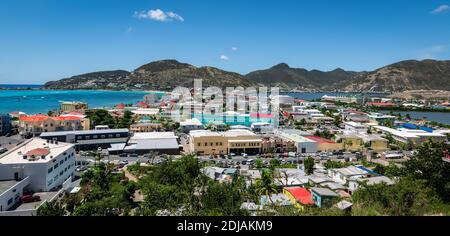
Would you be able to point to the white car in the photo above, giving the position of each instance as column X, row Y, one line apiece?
column 244, row 155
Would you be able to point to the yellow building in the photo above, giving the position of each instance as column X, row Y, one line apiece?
column 375, row 142
column 145, row 127
column 205, row 142
column 325, row 145
column 350, row 142
column 66, row 107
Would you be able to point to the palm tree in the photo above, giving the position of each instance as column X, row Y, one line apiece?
column 265, row 185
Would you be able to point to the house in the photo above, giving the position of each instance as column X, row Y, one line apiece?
column 298, row 196
column 323, row 197
column 262, row 127
column 381, row 119
column 354, row 184
column 278, row 199
column 343, row 175
column 354, row 115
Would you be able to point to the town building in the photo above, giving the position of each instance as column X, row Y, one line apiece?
column 145, row 127
column 352, row 127
column 37, row 124
column 381, row 119
column 354, row 115
column 409, row 136
column 157, row 142
column 262, row 128
column 89, row 139
column 190, row 125
column 325, row 145
column 302, row 144
column 145, row 112
column 66, row 107
column 5, row 124
column 36, row 165
column 205, row 142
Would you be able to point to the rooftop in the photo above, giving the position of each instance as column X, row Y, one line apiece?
column 324, row 192
column 302, row 195
column 34, row 146
column 85, row 132
column 7, row 184
column 319, row 139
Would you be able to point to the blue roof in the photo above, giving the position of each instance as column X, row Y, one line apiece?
column 368, row 170
column 424, row 128
column 410, row 126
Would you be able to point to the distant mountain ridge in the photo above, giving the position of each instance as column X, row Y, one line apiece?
column 168, row 74
column 284, row 76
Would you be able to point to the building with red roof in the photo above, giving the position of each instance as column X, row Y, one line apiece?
column 299, row 196
column 36, row 124
column 325, row 145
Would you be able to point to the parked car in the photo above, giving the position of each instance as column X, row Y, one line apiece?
column 123, row 155
column 81, row 168
column 245, row 155
column 133, row 155
column 30, row 198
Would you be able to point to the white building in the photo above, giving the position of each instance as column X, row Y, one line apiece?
column 354, row 128
column 304, row 145
column 354, row 184
column 262, row 127
column 191, row 124
column 410, row 136
column 343, row 175
column 37, row 165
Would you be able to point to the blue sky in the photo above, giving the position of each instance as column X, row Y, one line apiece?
column 51, row 39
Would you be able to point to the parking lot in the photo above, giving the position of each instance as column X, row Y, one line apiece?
column 10, row 142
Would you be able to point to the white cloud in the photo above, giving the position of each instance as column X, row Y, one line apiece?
column 234, row 49
column 224, row 58
column 158, row 15
column 440, row 9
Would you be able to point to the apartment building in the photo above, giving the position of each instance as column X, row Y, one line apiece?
column 5, row 124
column 37, row 124
column 37, row 165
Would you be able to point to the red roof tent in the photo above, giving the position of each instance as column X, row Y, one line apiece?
column 260, row 115
column 381, row 104
column 302, row 195
column 120, row 106
column 142, row 105
column 319, row 139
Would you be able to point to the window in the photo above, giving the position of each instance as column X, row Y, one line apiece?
column 110, row 136
column 206, row 144
column 87, row 137
column 95, row 137
column 199, row 144
column 10, row 201
column 61, row 162
column 61, row 173
column 50, row 170
column 65, row 159
column 103, row 136
column 117, row 135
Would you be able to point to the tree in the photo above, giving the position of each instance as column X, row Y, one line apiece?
column 101, row 117
column 308, row 165
column 427, row 165
column 259, row 163
column 126, row 120
column 53, row 208
column 265, row 185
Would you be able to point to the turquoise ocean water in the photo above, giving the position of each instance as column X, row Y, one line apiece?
column 41, row 101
